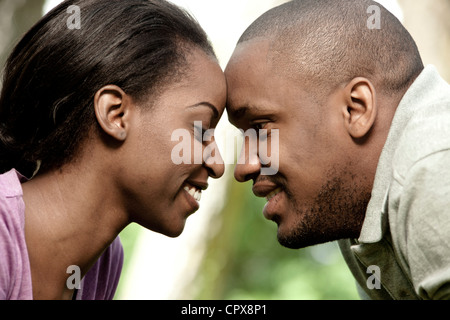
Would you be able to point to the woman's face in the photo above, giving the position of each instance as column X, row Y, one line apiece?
column 159, row 191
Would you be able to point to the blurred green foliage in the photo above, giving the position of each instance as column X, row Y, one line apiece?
column 245, row 261
column 128, row 238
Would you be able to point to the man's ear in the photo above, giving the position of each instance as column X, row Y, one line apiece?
column 361, row 108
column 112, row 107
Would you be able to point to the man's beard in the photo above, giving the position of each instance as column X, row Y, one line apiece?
column 337, row 213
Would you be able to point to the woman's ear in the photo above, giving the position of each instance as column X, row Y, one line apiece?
column 112, row 107
column 361, row 108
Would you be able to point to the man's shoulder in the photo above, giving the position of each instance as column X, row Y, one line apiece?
column 426, row 133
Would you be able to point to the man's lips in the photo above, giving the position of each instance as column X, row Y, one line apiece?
column 273, row 193
column 266, row 189
column 269, row 190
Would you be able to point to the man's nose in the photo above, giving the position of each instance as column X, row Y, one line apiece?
column 248, row 166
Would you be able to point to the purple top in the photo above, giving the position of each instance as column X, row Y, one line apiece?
column 99, row 283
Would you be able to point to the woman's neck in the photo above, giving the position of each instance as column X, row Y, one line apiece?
column 71, row 217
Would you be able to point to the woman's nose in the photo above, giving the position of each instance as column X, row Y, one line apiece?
column 213, row 160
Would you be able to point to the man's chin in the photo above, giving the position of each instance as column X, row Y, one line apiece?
column 296, row 240
column 290, row 244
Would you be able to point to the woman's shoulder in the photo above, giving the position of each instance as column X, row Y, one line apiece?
column 12, row 207
column 10, row 184
column 15, row 277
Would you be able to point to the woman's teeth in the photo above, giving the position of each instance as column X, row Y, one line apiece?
column 194, row 192
column 273, row 194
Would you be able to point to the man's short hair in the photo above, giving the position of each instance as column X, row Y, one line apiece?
column 330, row 43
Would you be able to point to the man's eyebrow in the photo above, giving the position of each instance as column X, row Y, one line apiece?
column 209, row 105
column 244, row 109
column 240, row 112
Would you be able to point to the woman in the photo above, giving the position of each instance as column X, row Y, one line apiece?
column 88, row 114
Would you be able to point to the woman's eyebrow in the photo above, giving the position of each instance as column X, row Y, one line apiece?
column 209, row 105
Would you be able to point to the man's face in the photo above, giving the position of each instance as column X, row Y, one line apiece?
column 316, row 196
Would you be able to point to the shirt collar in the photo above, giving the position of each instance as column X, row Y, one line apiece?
column 421, row 90
column 12, row 181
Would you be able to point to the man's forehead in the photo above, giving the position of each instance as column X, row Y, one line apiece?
column 246, row 73
column 249, row 53
column 251, row 79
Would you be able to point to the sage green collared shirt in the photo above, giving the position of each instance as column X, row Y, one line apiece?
column 406, row 231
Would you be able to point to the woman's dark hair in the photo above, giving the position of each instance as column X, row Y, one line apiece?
column 52, row 75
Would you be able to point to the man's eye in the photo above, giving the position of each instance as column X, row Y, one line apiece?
column 259, row 126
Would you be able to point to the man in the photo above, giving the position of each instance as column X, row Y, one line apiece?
column 364, row 141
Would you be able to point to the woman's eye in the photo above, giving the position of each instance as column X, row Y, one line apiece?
column 199, row 131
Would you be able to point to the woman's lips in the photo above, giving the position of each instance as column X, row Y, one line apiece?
column 194, row 192
column 193, row 195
